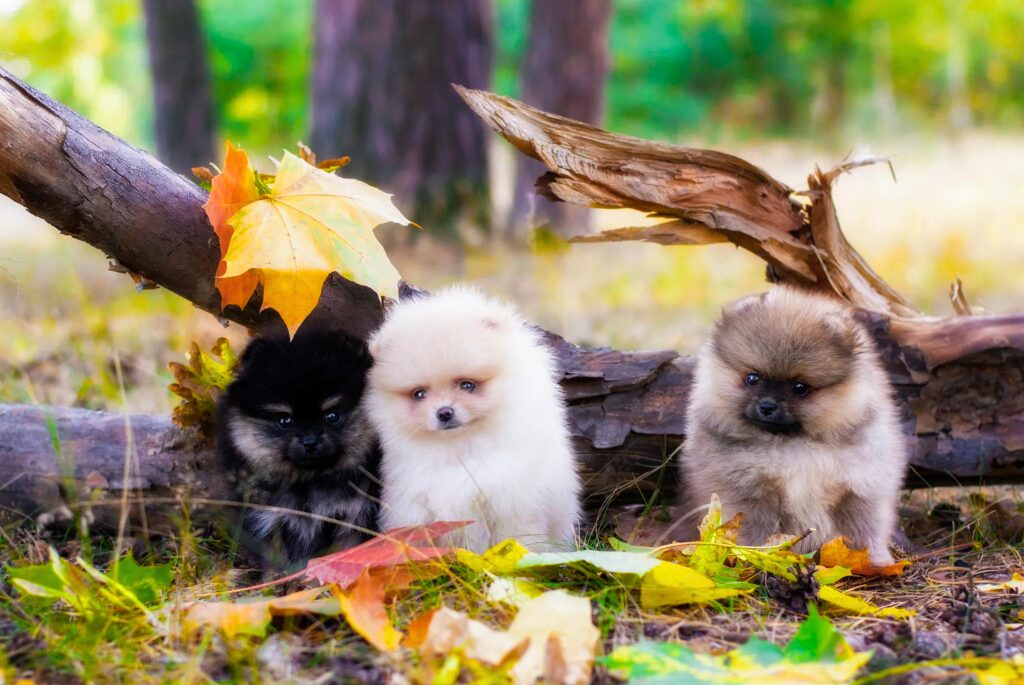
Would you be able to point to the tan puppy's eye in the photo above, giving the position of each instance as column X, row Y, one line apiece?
column 419, row 394
column 800, row 389
column 468, row 386
column 752, row 379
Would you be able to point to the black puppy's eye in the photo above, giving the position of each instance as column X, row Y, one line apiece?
column 419, row 394
column 468, row 386
column 284, row 421
column 752, row 379
column 332, row 417
column 800, row 389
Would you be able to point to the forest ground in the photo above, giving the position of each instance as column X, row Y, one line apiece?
column 78, row 334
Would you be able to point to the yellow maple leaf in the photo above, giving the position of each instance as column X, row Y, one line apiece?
column 311, row 224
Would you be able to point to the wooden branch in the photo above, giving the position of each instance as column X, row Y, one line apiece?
column 95, row 187
column 960, row 381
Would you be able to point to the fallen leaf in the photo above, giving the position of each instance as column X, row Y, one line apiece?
column 501, row 558
column 310, row 224
column 670, row 584
column 552, row 639
column 363, row 606
column 857, row 605
column 1015, row 585
column 451, row 629
column 562, row 639
column 836, row 552
column 390, row 548
column 616, row 562
column 830, row 576
column 417, row 629
column 513, row 591
column 817, row 653
column 252, row 616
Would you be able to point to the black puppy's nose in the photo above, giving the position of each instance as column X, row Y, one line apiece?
column 445, row 414
column 310, row 441
column 767, row 407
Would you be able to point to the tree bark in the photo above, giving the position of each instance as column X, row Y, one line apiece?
column 564, row 72
column 381, row 94
column 959, row 381
column 183, row 118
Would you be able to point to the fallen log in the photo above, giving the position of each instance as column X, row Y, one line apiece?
column 960, row 381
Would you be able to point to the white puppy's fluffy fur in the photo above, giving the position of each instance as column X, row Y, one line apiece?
column 464, row 395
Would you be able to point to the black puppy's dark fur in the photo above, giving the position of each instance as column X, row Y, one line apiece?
column 292, row 432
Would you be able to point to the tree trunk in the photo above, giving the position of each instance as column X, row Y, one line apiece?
column 183, row 118
column 381, row 94
column 564, row 72
column 960, row 381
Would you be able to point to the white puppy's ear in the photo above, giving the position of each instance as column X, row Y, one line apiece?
column 494, row 323
column 375, row 345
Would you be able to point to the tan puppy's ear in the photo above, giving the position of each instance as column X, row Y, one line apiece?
column 843, row 327
column 742, row 304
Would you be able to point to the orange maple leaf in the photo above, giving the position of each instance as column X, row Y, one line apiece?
column 363, row 602
column 289, row 236
column 836, row 552
column 231, row 190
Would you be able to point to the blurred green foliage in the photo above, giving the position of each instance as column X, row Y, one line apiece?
column 746, row 67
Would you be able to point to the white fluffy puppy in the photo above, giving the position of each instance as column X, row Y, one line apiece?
column 464, row 395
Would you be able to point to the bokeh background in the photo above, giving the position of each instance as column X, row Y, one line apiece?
column 936, row 86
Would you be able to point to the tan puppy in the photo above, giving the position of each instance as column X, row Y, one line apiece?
column 465, row 397
column 792, row 422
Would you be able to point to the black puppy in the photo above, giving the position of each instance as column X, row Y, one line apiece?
column 291, row 429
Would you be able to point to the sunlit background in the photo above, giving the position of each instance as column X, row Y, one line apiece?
column 938, row 87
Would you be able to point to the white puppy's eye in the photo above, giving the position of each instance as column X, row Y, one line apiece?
column 419, row 394
column 468, row 386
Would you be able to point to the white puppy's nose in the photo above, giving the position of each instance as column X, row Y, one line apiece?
column 445, row 414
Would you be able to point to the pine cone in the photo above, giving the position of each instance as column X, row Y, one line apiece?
column 795, row 595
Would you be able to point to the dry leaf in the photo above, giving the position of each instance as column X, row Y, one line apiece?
column 1014, row 585
column 310, row 224
column 563, row 639
column 251, row 617
column 363, row 606
column 836, row 552
column 552, row 636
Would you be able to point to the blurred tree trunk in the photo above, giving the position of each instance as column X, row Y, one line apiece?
column 182, row 105
column 564, row 72
column 956, row 67
column 381, row 93
column 835, row 47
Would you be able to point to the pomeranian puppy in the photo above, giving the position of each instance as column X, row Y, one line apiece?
column 292, row 431
column 471, row 418
column 792, row 422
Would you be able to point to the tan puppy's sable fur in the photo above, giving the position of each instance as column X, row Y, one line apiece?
column 465, row 397
column 792, row 422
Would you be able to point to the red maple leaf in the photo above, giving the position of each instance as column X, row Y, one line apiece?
column 390, row 548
